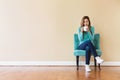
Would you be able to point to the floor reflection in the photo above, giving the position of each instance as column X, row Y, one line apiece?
column 93, row 75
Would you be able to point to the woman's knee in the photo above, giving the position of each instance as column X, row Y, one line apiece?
column 87, row 48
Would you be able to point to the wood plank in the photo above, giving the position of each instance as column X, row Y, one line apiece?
column 58, row 73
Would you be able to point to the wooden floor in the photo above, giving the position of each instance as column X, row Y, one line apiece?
column 58, row 73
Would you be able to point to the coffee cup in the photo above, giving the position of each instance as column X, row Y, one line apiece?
column 85, row 28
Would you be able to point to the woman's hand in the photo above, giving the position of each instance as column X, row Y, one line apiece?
column 82, row 29
column 87, row 29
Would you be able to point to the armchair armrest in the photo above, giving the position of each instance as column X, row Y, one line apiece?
column 97, row 40
column 76, row 41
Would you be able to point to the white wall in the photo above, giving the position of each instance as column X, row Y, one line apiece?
column 42, row 30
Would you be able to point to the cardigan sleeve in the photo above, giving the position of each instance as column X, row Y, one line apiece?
column 91, row 36
column 80, row 34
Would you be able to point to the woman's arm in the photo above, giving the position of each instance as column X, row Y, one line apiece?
column 91, row 36
column 80, row 34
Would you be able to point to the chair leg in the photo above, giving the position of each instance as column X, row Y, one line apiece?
column 77, row 62
column 95, row 62
column 99, row 66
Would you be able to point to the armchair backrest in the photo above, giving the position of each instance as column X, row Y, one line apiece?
column 76, row 41
column 96, row 41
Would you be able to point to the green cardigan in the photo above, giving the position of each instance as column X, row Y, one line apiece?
column 87, row 35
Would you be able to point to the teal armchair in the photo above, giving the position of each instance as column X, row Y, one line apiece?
column 78, row 53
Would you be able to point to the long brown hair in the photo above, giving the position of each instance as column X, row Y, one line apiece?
column 82, row 22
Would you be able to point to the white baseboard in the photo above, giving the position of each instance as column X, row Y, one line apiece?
column 52, row 63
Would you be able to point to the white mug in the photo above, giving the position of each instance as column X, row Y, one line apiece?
column 85, row 28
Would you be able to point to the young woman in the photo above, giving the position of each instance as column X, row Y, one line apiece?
column 85, row 35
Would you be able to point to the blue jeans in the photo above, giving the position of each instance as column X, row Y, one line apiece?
column 89, row 47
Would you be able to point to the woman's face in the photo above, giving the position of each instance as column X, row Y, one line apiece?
column 86, row 22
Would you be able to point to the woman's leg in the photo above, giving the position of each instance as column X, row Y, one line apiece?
column 92, row 49
column 90, row 45
column 84, row 46
column 87, row 56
